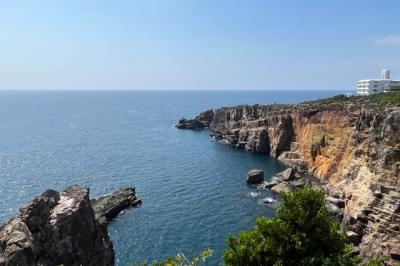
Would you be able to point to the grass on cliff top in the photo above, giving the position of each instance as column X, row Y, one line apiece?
column 381, row 99
column 392, row 98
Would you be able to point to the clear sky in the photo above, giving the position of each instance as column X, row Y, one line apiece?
column 197, row 44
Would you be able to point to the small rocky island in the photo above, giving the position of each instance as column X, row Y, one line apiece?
column 66, row 228
column 350, row 145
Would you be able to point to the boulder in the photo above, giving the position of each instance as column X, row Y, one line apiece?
column 292, row 159
column 301, row 182
column 271, row 184
column 288, row 174
column 291, row 174
column 282, row 188
column 255, row 176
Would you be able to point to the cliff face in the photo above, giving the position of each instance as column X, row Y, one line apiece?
column 63, row 229
column 350, row 144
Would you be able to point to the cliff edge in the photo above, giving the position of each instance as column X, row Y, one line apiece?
column 350, row 144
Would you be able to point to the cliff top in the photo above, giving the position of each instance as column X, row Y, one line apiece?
column 376, row 100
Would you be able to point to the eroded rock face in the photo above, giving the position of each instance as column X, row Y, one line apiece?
column 109, row 206
column 352, row 146
column 256, row 128
column 56, row 228
column 203, row 120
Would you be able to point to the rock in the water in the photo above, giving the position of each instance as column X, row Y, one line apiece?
column 56, row 229
column 255, row 176
column 282, row 188
column 201, row 121
column 267, row 185
column 189, row 124
column 268, row 200
column 109, row 206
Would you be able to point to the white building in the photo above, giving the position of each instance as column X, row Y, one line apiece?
column 372, row 86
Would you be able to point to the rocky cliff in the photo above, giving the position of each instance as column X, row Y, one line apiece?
column 351, row 145
column 63, row 229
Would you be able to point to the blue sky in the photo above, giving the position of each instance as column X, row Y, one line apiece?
column 197, row 44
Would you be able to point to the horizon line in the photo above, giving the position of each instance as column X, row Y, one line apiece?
column 170, row 90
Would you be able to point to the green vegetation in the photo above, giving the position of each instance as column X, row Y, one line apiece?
column 377, row 261
column 181, row 260
column 383, row 99
column 338, row 99
column 380, row 99
column 301, row 233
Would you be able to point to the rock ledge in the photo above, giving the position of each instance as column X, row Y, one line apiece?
column 63, row 229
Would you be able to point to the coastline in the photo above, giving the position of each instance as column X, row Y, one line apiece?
column 349, row 144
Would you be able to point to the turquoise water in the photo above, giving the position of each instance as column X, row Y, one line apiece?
column 193, row 187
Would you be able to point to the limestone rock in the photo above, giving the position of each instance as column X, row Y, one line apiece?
column 353, row 237
column 349, row 145
column 300, row 182
column 282, row 188
column 255, row 176
column 201, row 121
column 109, row 206
column 63, row 229
column 56, row 228
column 267, row 185
column 287, row 175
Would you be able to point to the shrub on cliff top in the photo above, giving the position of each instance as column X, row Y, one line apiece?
column 382, row 99
column 301, row 233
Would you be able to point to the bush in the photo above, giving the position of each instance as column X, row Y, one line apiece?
column 301, row 233
column 181, row 260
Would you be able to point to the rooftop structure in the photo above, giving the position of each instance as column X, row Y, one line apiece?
column 385, row 74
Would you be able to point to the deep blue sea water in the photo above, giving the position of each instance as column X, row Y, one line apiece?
column 193, row 187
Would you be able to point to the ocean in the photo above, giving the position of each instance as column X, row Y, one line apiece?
column 193, row 188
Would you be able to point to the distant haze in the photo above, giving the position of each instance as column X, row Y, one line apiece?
column 195, row 45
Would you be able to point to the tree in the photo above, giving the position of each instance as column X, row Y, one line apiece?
column 301, row 233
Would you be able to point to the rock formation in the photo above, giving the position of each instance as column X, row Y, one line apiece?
column 201, row 121
column 288, row 180
column 255, row 176
column 109, row 206
column 351, row 145
column 61, row 229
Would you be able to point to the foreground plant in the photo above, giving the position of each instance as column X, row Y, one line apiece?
column 301, row 233
column 181, row 260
